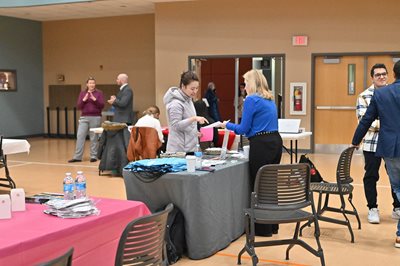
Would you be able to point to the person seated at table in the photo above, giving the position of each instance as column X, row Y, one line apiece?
column 181, row 114
column 151, row 119
column 259, row 124
column 91, row 103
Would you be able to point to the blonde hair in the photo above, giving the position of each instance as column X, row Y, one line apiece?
column 257, row 83
column 152, row 110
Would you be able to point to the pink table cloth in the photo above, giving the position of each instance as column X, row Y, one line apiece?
column 32, row 237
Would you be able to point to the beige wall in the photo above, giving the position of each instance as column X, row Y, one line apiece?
column 77, row 49
column 226, row 27
column 154, row 49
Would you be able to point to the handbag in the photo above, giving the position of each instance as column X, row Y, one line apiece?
column 314, row 173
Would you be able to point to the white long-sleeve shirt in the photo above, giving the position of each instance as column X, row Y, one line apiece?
column 150, row 121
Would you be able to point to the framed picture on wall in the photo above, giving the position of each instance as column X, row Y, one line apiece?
column 8, row 80
column 298, row 96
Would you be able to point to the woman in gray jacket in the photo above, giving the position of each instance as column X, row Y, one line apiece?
column 182, row 118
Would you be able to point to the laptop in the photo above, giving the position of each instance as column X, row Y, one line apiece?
column 224, row 145
column 290, row 126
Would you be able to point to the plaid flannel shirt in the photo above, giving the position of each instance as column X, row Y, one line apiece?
column 371, row 138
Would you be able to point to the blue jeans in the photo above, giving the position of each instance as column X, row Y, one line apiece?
column 393, row 169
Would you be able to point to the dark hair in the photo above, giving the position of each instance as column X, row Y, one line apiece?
column 239, row 92
column 377, row 66
column 396, row 70
column 187, row 77
column 90, row 78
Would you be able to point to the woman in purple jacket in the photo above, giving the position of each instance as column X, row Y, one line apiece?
column 90, row 102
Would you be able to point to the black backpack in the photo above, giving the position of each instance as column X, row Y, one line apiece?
column 175, row 236
column 315, row 175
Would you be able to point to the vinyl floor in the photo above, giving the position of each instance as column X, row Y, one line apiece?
column 44, row 167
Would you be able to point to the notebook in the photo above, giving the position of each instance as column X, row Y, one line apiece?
column 290, row 126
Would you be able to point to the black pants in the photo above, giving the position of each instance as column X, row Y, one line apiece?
column 371, row 177
column 264, row 149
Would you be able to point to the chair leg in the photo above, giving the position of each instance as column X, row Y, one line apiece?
column 355, row 210
column 342, row 209
column 8, row 177
column 239, row 259
column 295, row 237
column 254, row 259
column 321, row 210
column 250, row 239
column 10, row 180
column 246, row 229
column 308, row 223
column 322, row 260
column 316, row 235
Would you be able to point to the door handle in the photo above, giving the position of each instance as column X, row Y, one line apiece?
column 335, row 107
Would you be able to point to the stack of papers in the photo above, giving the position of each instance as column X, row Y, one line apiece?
column 43, row 197
column 76, row 208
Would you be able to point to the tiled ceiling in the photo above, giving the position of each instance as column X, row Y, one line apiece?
column 98, row 8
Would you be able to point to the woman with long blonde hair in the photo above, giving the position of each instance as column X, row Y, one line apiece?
column 260, row 125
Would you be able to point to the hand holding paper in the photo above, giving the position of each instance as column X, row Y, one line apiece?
column 216, row 124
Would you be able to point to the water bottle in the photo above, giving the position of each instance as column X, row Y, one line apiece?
column 199, row 155
column 69, row 187
column 80, row 185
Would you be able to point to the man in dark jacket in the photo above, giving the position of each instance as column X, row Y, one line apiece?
column 123, row 102
column 385, row 104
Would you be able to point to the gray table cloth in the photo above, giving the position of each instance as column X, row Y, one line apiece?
column 212, row 203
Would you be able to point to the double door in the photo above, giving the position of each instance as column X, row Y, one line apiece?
column 338, row 82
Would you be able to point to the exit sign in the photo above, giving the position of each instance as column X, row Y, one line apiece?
column 300, row 40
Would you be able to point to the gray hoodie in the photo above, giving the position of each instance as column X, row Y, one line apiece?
column 182, row 131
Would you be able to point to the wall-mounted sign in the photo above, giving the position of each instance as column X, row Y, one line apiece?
column 8, row 80
column 300, row 40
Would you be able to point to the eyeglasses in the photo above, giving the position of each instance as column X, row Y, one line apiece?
column 377, row 75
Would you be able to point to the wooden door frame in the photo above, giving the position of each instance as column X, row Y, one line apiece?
column 312, row 89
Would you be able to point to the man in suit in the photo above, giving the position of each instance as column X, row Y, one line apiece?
column 379, row 76
column 123, row 102
column 385, row 104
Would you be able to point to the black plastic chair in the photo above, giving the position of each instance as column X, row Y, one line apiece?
column 281, row 195
column 142, row 242
column 63, row 260
column 3, row 164
column 341, row 188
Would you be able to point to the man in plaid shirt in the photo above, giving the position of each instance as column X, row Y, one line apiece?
column 372, row 163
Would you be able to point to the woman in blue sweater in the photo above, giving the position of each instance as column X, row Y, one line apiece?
column 260, row 124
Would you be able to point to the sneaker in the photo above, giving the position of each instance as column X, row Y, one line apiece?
column 92, row 160
column 74, row 161
column 396, row 213
column 373, row 216
column 397, row 242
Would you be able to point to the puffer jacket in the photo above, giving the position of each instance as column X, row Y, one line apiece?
column 182, row 131
column 112, row 149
